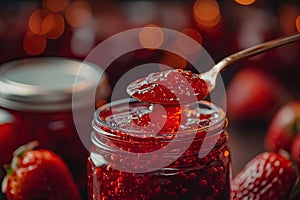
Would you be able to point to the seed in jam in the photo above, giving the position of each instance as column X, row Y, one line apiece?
column 169, row 87
column 187, row 177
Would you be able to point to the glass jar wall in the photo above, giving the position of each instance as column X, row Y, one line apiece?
column 146, row 151
column 36, row 104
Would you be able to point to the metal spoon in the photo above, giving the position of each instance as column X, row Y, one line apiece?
column 210, row 76
column 149, row 88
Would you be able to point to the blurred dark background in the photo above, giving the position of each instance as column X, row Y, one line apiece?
column 71, row 29
column 66, row 28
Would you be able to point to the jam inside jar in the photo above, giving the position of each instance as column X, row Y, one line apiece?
column 147, row 151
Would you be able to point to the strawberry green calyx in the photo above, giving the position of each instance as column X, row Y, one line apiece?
column 14, row 163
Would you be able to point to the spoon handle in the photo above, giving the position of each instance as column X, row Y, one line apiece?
column 211, row 75
column 252, row 51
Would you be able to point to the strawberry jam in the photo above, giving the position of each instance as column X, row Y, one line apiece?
column 149, row 151
column 169, row 87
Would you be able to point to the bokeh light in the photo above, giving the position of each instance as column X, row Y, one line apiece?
column 151, row 37
column 245, row 2
column 184, row 45
column 34, row 44
column 55, row 5
column 36, row 20
column 298, row 23
column 207, row 13
column 78, row 13
column 53, row 26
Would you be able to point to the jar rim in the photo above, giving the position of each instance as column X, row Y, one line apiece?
column 220, row 122
column 48, row 83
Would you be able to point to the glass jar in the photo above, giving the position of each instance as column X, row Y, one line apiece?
column 36, row 104
column 147, row 151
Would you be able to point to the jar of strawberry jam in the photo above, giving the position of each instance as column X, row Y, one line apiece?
column 149, row 151
column 36, row 104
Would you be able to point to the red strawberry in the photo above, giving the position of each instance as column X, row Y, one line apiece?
column 295, row 151
column 38, row 174
column 268, row 176
column 284, row 126
column 253, row 94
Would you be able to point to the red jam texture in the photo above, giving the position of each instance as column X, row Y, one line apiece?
column 169, row 87
column 188, row 177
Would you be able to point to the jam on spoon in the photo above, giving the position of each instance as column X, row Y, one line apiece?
column 169, row 87
column 174, row 86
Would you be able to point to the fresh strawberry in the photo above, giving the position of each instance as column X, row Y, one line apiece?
column 268, row 176
column 38, row 174
column 284, row 127
column 295, row 151
column 252, row 95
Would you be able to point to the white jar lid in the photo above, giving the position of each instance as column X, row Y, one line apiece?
column 48, row 83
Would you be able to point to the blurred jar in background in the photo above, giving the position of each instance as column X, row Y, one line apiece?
column 36, row 104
